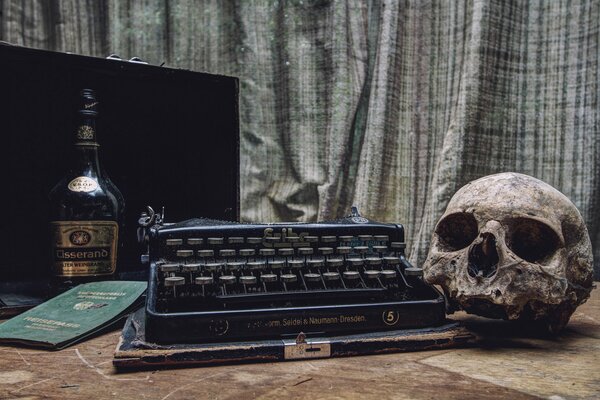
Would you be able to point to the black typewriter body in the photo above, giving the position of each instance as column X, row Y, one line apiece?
column 225, row 281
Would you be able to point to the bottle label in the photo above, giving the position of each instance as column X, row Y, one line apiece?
column 86, row 133
column 83, row 184
column 84, row 248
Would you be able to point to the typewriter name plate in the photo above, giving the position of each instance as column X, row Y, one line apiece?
column 295, row 350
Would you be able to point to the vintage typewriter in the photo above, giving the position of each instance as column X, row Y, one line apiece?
column 225, row 281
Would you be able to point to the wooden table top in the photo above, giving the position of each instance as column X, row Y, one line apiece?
column 505, row 364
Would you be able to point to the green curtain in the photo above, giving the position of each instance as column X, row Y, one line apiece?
column 387, row 105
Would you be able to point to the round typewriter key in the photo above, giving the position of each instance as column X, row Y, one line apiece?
column 272, row 239
column 355, row 262
column 372, row 274
column 174, row 281
column 398, row 245
column 305, row 251
column 295, row 264
column 331, row 276
column 365, row 238
column 268, row 278
column 344, row 250
column 310, row 277
column 215, row 241
column 276, row 264
column 328, row 239
column 334, row 262
column 253, row 240
column 212, row 267
column 381, row 238
column 311, row 239
column 227, row 253
column 315, row 263
column 246, row 252
column 351, row 275
column 286, row 252
column 266, row 252
column 380, row 249
column 195, row 241
column 373, row 261
column 391, row 260
column 255, row 265
column 235, row 240
column 292, row 239
column 326, row 250
column 248, row 279
column 288, row 278
column 361, row 249
column 185, row 253
column 234, row 266
column 174, row 242
column 346, row 238
column 190, row 267
column 227, row 279
column 388, row 273
column 413, row 271
column 206, row 253
column 169, row 267
column 203, row 280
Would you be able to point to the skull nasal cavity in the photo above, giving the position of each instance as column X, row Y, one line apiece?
column 483, row 257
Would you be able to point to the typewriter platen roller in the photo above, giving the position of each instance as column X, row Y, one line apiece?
column 221, row 281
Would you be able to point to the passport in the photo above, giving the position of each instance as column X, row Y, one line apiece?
column 74, row 315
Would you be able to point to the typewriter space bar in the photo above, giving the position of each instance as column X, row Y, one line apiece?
column 321, row 294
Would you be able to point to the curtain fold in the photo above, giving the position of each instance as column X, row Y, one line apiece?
column 388, row 105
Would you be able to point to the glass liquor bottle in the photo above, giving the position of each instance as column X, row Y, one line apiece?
column 86, row 210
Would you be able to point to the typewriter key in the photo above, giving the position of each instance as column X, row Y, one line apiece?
column 334, row 263
column 248, row 279
column 174, row 281
column 295, row 264
column 254, row 240
column 344, row 250
column 268, row 278
column 398, row 245
column 388, row 273
column 305, row 251
column 372, row 274
column 235, row 240
column 380, row 249
column 276, row 264
column 227, row 279
column 331, row 276
column 311, row 277
column 288, row 278
column 205, row 253
column 174, row 242
column 246, row 252
column 169, row 267
column 292, row 239
column 185, row 253
column 355, row 262
column 381, row 238
column 266, row 252
column 361, row 249
column 190, row 267
column 315, row 263
column 391, row 260
column 234, row 266
column 286, row 252
column 365, row 238
column 326, row 250
column 255, row 265
column 373, row 261
column 212, row 267
column 328, row 239
column 351, row 275
column 195, row 241
column 203, row 280
column 215, row 241
column 227, row 253
column 272, row 239
column 346, row 239
column 311, row 239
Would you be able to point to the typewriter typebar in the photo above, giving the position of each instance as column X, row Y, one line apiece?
column 222, row 281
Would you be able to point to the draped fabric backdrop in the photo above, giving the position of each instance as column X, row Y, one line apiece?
column 388, row 105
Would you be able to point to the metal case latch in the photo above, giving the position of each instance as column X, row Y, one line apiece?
column 303, row 348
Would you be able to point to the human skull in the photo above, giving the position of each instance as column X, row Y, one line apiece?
column 511, row 246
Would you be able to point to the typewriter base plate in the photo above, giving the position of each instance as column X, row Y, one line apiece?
column 133, row 352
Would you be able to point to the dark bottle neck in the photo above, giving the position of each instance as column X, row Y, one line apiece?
column 86, row 147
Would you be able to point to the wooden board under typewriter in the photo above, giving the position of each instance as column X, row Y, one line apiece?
column 134, row 352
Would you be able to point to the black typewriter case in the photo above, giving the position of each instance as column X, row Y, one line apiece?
column 168, row 136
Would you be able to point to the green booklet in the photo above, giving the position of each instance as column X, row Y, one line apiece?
column 73, row 315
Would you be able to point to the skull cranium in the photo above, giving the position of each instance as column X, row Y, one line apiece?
column 511, row 246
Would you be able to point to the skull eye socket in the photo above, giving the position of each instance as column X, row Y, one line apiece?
column 456, row 231
column 532, row 240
